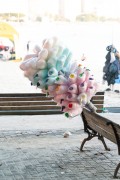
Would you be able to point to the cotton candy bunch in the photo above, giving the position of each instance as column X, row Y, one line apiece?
column 53, row 69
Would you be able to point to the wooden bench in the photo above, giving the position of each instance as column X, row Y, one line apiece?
column 36, row 104
column 27, row 104
column 97, row 126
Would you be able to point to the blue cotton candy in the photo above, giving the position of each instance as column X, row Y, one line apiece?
column 51, row 62
column 50, row 80
column 60, row 62
column 41, row 74
column 52, row 72
column 67, row 61
column 61, row 80
column 66, row 52
column 60, row 51
column 40, row 83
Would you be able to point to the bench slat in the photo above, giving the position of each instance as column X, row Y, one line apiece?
column 21, row 94
column 99, row 111
column 31, row 112
column 37, row 98
column 96, row 98
column 25, row 103
column 100, row 93
column 37, row 107
column 102, row 132
column 99, row 106
column 100, row 120
column 98, row 102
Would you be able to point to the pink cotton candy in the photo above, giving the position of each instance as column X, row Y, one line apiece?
column 64, row 109
column 71, row 97
column 82, row 99
column 82, row 87
column 52, row 93
column 58, row 97
column 73, row 112
column 96, row 86
column 52, row 87
column 43, row 54
column 30, row 72
column 74, row 105
column 88, row 75
column 32, row 63
column 73, row 88
column 24, row 66
column 36, row 49
column 64, row 103
column 48, row 44
column 60, row 89
column 72, row 78
column 81, row 78
column 80, row 69
column 90, row 92
column 41, row 64
column 51, row 90
column 28, row 56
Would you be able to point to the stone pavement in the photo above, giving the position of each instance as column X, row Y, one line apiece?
column 43, row 153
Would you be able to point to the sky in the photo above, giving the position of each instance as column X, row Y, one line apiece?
column 72, row 7
column 13, row 6
column 109, row 8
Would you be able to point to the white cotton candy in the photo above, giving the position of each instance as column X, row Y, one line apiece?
column 112, row 59
column 43, row 54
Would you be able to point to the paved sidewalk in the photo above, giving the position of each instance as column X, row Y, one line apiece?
column 49, row 156
column 40, row 152
column 36, row 124
column 14, row 125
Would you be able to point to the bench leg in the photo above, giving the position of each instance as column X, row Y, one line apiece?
column 103, row 141
column 86, row 139
column 90, row 136
column 116, row 171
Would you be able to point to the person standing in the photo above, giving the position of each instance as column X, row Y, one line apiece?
column 111, row 68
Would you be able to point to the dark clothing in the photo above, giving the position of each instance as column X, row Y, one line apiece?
column 111, row 70
column 28, row 46
column 111, row 48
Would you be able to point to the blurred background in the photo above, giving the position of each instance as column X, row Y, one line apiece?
column 86, row 26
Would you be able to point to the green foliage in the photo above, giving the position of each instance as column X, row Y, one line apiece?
column 94, row 17
column 87, row 17
column 12, row 16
